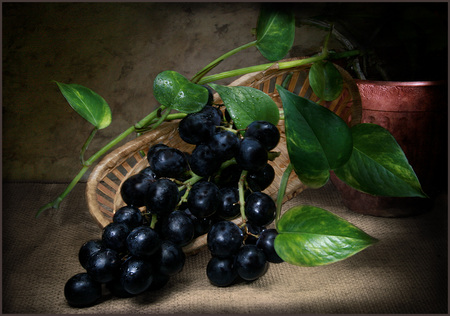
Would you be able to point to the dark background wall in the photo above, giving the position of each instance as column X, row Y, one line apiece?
column 117, row 49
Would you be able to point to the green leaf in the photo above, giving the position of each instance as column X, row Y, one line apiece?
column 173, row 90
column 91, row 106
column 310, row 236
column 317, row 139
column 378, row 165
column 275, row 32
column 325, row 80
column 247, row 104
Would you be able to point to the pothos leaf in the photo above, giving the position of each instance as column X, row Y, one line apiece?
column 317, row 139
column 173, row 90
column 325, row 80
column 311, row 236
column 378, row 165
column 90, row 105
column 275, row 32
column 247, row 104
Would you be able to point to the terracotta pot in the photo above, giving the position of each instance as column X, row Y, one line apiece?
column 416, row 115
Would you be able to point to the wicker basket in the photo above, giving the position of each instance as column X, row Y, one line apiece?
column 104, row 183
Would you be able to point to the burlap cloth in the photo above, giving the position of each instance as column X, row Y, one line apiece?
column 405, row 272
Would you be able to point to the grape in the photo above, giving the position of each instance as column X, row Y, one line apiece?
column 153, row 149
column 224, row 144
column 251, row 263
column 265, row 132
column 224, row 239
column 169, row 259
column 221, row 271
column 260, row 209
column 114, row 236
column 261, row 179
column 253, row 230
column 162, row 196
column 202, row 225
column 203, row 161
column 134, row 190
column 252, row 156
column 149, row 173
column 136, row 275
column 178, row 228
column 88, row 249
column 82, row 291
column 266, row 243
column 229, row 176
column 203, row 199
column 212, row 114
column 228, row 203
column 103, row 265
column 143, row 242
column 168, row 162
column 196, row 128
column 130, row 216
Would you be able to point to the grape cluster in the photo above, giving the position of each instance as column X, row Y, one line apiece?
column 179, row 197
column 129, row 259
column 238, row 253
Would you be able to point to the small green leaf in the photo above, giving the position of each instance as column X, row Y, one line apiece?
column 378, row 165
column 173, row 90
column 247, row 104
column 275, row 32
column 325, row 80
column 310, row 236
column 317, row 139
column 91, row 106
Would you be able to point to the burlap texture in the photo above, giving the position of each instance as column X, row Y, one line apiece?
column 405, row 272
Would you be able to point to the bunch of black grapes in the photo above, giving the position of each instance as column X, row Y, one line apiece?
column 179, row 197
column 238, row 253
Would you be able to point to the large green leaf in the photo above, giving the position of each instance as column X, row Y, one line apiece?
column 247, row 104
column 325, row 80
column 317, row 139
column 91, row 106
column 275, row 32
column 311, row 236
column 378, row 165
column 173, row 90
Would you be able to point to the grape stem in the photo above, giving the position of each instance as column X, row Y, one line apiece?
column 241, row 194
column 154, row 220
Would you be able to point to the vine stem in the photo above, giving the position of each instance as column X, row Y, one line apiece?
column 86, row 144
column 55, row 203
column 241, row 195
column 217, row 61
column 282, row 191
column 280, row 65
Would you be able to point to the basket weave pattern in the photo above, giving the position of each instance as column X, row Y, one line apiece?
column 104, row 183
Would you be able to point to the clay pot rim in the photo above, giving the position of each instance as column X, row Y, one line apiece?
column 401, row 83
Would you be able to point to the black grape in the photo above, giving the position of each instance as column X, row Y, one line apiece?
column 265, row 132
column 82, row 291
column 266, row 242
column 252, row 156
column 224, row 239
column 260, row 209
column 251, row 263
column 221, row 271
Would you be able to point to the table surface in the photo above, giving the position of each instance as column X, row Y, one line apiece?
column 405, row 272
